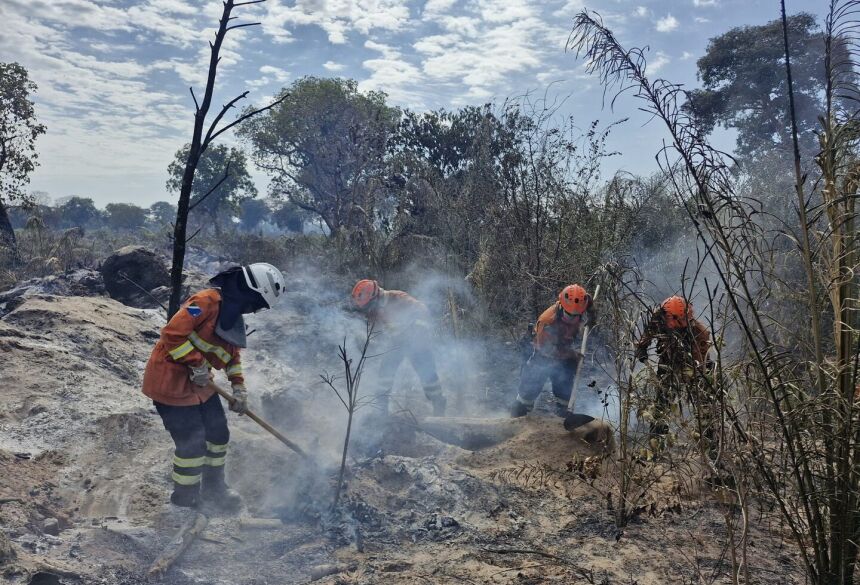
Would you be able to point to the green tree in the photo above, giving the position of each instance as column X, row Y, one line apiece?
column 125, row 216
column 289, row 217
column 252, row 213
column 324, row 147
column 161, row 213
column 78, row 212
column 18, row 133
column 217, row 197
column 744, row 85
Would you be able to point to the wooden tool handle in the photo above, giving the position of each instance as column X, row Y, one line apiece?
column 274, row 432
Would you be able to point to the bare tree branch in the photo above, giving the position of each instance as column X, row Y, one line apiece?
column 248, row 115
column 212, row 190
column 235, row 26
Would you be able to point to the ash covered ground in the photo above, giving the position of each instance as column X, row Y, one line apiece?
column 84, row 471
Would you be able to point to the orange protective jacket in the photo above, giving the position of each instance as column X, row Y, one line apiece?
column 554, row 336
column 189, row 339
column 677, row 348
column 398, row 311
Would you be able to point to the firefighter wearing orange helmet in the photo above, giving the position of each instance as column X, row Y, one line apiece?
column 682, row 344
column 553, row 355
column 404, row 323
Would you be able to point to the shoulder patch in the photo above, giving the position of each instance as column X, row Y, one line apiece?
column 194, row 310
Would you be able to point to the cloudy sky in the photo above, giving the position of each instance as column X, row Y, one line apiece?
column 113, row 75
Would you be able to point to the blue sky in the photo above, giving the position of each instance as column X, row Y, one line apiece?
column 113, row 75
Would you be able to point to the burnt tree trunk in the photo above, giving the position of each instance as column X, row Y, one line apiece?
column 194, row 153
column 199, row 143
column 7, row 236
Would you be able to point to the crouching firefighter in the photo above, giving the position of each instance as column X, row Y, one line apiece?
column 682, row 360
column 553, row 355
column 205, row 334
column 404, row 321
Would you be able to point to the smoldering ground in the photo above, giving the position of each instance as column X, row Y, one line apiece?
column 479, row 370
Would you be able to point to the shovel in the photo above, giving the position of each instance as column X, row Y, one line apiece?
column 230, row 400
column 572, row 420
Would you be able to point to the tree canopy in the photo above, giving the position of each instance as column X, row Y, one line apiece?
column 125, row 216
column 19, row 130
column 324, row 147
column 223, row 203
column 745, row 88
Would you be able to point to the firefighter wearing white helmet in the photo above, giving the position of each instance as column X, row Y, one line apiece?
column 266, row 280
column 206, row 334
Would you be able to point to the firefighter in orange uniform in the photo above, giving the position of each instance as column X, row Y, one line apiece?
column 405, row 323
column 205, row 334
column 553, row 354
column 682, row 359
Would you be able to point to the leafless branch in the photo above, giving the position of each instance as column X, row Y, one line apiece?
column 213, row 189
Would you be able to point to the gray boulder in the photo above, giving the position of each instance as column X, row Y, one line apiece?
column 131, row 273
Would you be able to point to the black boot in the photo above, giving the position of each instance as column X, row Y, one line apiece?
column 185, row 496
column 216, row 491
column 519, row 409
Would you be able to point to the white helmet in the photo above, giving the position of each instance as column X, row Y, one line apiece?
column 266, row 280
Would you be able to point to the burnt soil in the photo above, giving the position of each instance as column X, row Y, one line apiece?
column 84, row 475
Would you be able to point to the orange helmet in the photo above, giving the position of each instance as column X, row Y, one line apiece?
column 573, row 299
column 676, row 312
column 364, row 292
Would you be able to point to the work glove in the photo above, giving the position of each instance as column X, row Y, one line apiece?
column 240, row 399
column 199, row 375
column 642, row 354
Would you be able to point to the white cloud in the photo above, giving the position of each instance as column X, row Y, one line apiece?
column 704, row 3
column 337, row 17
column 641, row 12
column 392, row 74
column 702, row 20
column 437, row 7
column 503, row 11
column 658, row 62
column 334, row 67
column 485, row 47
column 279, row 75
column 570, row 8
column 667, row 24
column 686, row 56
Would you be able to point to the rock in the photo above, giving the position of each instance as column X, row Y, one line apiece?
column 131, row 273
column 51, row 526
column 7, row 553
column 448, row 522
column 82, row 282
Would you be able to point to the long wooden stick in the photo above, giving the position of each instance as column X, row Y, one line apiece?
column 581, row 359
column 274, row 432
column 178, row 545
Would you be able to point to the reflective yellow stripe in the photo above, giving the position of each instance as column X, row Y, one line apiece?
column 207, row 347
column 213, row 448
column 185, row 479
column 234, row 370
column 181, row 351
column 188, row 462
column 215, row 461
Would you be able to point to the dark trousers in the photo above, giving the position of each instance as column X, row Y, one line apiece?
column 415, row 348
column 537, row 370
column 201, row 435
column 676, row 383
